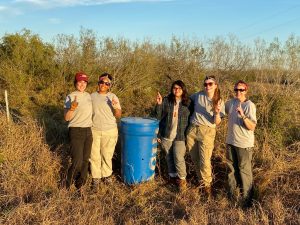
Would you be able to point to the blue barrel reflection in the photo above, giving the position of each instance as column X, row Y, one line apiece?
column 139, row 148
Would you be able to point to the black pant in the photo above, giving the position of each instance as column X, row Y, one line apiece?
column 81, row 139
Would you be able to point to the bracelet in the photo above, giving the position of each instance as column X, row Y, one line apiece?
column 244, row 117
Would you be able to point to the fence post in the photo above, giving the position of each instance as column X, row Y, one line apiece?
column 6, row 104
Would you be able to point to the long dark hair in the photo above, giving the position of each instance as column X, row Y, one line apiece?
column 184, row 97
column 217, row 94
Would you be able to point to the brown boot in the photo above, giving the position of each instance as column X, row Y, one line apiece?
column 181, row 184
column 172, row 180
column 208, row 193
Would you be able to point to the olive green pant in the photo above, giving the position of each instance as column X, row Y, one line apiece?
column 200, row 144
column 240, row 171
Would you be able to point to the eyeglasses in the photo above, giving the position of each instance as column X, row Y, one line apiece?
column 240, row 90
column 208, row 84
column 103, row 82
column 177, row 88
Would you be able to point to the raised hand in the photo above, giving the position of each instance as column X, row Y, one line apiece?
column 218, row 107
column 158, row 98
column 115, row 103
column 74, row 104
column 240, row 110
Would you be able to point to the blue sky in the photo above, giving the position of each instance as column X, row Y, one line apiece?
column 157, row 20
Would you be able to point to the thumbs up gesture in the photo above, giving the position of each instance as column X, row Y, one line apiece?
column 115, row 103
column 74, row 104
column 158, row 98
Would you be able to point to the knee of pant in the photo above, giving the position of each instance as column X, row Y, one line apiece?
column 77, row 166
column 245, row 167
column 206, row 164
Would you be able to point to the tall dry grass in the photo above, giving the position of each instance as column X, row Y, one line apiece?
column 34, row 151
column 30, row 191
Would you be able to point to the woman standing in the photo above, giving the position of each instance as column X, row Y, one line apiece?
column 207, row 109
column 173, row 113
column 78, row 112
column 106, row 109
column 240, row 142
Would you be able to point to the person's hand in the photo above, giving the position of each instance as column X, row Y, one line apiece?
column 240, row 110
column 218, row 107
column 74, row 104
column 115, row 103
column 158, row 98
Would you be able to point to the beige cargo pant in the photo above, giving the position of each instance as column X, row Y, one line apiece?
column 103, row 147
column 200, row 144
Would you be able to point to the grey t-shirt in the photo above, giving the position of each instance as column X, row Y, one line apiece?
column 203, row 111
column 237, row 133
column 103, row 117
column 83, row 113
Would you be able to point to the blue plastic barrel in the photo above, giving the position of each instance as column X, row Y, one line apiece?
column 139, row 148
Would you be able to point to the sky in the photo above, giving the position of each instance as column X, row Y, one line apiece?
column 157, row 20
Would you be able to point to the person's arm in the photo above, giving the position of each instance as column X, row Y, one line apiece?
column 69, row 112
column 249, row 124
column 217, row 118
column 158, row 106
column 117, row 111
column 217, row 112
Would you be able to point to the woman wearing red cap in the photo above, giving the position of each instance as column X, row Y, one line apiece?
column 78, row 112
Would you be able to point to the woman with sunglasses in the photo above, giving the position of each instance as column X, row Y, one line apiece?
column 106, row 109
column 207, row 109
column 240, row 142
column 78, row 112
column 173, row 113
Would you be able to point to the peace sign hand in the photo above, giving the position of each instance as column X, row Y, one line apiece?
column 218, row 107
column 115, row 103
column 240, row 110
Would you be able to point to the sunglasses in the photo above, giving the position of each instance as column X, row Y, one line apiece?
column 103, row 82
column 208, row 84
column 240, row 90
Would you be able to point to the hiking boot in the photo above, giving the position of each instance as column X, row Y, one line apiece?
column 173, row 180
column 107, row 180
column 207, row 191
column 95, row 184
column 181, row 184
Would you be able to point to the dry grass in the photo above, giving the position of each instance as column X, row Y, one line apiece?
column 30, row 190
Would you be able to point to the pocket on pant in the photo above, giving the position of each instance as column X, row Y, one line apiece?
column 250, row 153
column 190, row 129
column 166, row 145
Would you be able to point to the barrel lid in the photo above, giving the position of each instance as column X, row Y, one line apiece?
column 139, row 120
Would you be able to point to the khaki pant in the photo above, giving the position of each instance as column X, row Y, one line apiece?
column 103, row 148
column 175, row 152
column 200, row 144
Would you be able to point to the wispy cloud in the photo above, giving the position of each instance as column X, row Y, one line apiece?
column 54, row 21
column 7, row 10
column 67, row 3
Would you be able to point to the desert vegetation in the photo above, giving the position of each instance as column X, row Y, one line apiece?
column 34, row 145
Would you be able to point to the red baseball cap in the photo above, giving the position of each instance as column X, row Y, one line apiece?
column 81, row 76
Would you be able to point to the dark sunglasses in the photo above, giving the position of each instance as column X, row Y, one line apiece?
column 240, row 90
column 208, row 84
column 103, row 82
